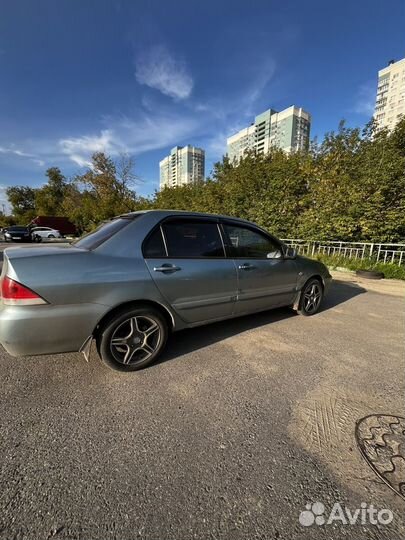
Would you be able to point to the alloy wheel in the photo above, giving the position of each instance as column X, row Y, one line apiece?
column 135, row 340
column 312, row 297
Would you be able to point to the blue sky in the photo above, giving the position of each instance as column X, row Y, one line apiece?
column 143, row 76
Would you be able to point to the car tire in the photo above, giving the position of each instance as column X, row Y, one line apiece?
column 370, row 274
column 132, row 338
column 38, row 239
column 51, row 236
column 311, row 297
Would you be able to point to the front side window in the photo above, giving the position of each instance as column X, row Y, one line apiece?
column 245, row 242
column 193, row 238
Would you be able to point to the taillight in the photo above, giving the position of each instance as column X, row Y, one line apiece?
column 15, row 294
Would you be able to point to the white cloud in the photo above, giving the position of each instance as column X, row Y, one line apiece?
column 39, row 162
column 158, row 69
column 264, row 74
column 241, row 106
column 365, row 99
column 20, row 153
column 3, row 200
column 79, row 149
column 215, row 146
column 156, row 125
column 127, row 135
column 12, row 150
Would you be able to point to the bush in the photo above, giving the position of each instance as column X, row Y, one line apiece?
column 391, row 271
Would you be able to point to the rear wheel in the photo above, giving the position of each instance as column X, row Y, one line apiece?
column 51, row 236
column 311, row 297
column 132, row 339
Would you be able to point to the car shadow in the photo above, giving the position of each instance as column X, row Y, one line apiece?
column 340, row 292
column 193, row 339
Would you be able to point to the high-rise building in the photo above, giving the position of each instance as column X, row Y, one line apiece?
column 184, row 165
column 390, row 102
column 288, row 130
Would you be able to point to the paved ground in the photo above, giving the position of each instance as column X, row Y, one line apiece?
column 237, row 428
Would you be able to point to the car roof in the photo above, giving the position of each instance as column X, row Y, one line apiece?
column 167, row 213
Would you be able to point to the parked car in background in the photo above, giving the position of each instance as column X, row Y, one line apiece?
column 60, row 223
column 39, row 233
column 17, row 233
column 142, row 275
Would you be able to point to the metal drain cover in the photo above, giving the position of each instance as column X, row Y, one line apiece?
column 381, row 440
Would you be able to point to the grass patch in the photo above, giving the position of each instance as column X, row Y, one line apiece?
column 391, row 271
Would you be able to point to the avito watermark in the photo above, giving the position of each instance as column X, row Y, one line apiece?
column 315, row 514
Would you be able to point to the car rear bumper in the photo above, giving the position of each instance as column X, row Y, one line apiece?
column 32, row 330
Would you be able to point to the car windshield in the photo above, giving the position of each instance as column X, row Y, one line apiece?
column 16, row 228
column 102, row 233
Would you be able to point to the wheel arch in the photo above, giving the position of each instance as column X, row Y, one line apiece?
column 299, row 292
column 315, row 276
column 133, row 304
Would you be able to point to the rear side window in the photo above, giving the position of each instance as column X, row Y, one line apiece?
column 193, row 238
column 103, row 232
column 154, row 246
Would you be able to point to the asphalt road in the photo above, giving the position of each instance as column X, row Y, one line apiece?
column 228, row 437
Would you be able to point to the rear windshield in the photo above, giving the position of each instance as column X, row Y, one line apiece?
column 103, row 232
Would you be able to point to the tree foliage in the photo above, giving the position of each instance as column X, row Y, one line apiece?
column 105, row 190
column 350, row 186
column 49, row 199
column 22, row 200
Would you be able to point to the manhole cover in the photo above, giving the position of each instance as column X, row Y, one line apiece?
column 381, row 440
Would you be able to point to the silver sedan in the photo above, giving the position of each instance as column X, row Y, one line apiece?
column 142, row 275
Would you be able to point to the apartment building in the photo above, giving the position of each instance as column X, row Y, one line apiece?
column 390, row 101
column 288, row 129
column 184, row 165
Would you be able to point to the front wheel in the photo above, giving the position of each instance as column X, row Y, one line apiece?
column 311, row 297
column 132, row 339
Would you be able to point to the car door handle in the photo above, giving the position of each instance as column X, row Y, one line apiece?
column 166, row 268
column 246, row 266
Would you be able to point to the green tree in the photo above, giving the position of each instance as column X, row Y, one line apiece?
column 105, row 190
column 22, row 200
column 49, row 199
column 6, row 221
column 350, row 186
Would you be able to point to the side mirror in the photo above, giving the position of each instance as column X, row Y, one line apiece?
column 289, row 252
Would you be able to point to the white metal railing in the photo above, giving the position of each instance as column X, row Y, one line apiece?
column 387, row 253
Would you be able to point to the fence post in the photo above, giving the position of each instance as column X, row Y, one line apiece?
column 371, row 249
